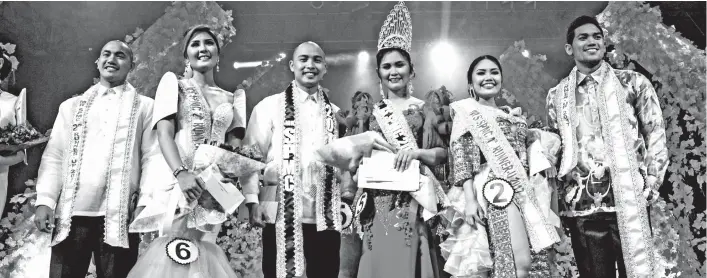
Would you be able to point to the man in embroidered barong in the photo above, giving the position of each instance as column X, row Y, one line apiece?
column 92, row 172
column 614, row 157
column 299, row 204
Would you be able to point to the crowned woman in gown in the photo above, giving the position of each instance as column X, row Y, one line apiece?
column 187, row 217
column 397, row 242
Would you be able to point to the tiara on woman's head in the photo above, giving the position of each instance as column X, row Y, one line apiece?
column 396, row 31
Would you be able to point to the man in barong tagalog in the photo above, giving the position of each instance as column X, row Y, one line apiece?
column 299, row 204
column 614, row 157
column 93, row 170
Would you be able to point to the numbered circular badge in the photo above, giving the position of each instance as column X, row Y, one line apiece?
column 499, row 193
column 361, row 204
column 182, row 251
column 346, row 215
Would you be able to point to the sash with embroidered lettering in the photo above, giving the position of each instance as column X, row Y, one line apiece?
column 470, row 116
column 118, row 196
column 288, row 225
column 398, row 133
column 627, row 182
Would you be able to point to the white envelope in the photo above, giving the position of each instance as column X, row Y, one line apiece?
column 225, row 193
column 377, row 172
column 537, row 161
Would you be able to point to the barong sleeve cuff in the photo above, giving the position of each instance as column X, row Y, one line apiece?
column 251, row 199
column 45, row 201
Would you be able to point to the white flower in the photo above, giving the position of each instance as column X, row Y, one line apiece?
column 9, row 48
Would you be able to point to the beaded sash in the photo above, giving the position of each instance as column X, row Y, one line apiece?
column 398, row 133
column 505, row 164
column 627, row 183
column 288, row 226
column 118, row 171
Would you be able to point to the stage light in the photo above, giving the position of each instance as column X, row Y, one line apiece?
column 240, row 65
column 363, row 56
column 525, row 53
column 281, row 56
column 444, row 57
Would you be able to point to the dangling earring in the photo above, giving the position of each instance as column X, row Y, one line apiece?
column 380, row 85
column 187, row 68
column 473, row 95
column 217, row 63
column 410, row 88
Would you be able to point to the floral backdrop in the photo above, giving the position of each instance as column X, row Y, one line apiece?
column 159, row 48
column 525, row 82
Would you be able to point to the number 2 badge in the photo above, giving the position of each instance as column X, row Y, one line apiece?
column 499, row 193
column 182, row 251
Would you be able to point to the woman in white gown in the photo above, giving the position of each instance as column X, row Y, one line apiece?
column 189, row 112
column 12, row 111
column 30, row 260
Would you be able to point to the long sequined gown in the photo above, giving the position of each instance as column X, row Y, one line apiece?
column 199, row 120
column 397, row 243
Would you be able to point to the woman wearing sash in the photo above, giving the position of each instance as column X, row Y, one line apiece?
column 189, row 112
column 12, row 111
column 489, row 173
column 396, row 240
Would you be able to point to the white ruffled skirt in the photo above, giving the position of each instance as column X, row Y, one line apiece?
column 467, row 247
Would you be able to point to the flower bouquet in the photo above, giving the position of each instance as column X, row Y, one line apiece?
column 219, row 167
column 14, row 138
column 233, row 162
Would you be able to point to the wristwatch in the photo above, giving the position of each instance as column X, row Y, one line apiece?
column 179, row 170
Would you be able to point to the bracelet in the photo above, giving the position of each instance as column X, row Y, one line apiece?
column 179, row 170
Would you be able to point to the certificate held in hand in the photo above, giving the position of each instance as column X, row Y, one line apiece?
column 377, row 172
column 225, row 193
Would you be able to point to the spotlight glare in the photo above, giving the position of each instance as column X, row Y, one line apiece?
column 444, row 58
column 363, row 56
column 283, row 55
column 525, row 53
column 240, row 65
column 442, row 50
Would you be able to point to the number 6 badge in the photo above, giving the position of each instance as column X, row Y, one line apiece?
column 499, row 193
column 182, row 251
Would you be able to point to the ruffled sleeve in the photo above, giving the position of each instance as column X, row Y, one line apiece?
column 239, row 112
column 166, row 98
column 21, row 108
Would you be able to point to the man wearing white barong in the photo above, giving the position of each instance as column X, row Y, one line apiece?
column 313, row 207
column 92, row 172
